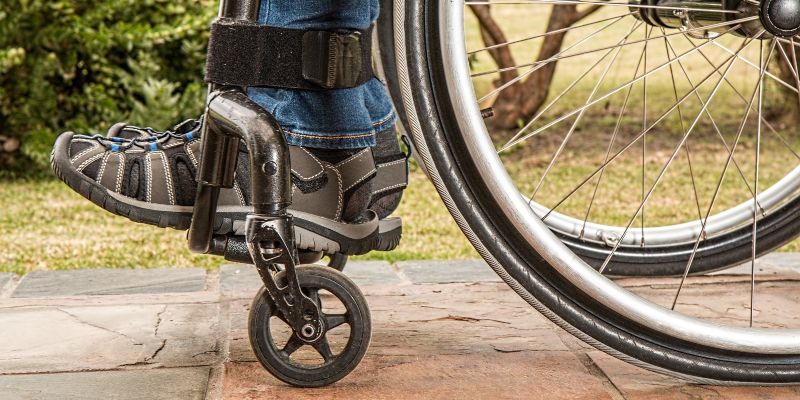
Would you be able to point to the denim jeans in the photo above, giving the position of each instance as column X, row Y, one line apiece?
column 332, row 119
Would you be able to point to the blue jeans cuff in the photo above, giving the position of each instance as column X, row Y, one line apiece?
column 342, row 141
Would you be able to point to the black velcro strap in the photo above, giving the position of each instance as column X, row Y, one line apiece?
column 246, row 54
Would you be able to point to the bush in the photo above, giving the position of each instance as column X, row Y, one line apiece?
column 83, row 65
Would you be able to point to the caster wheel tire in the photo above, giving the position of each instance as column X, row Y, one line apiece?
column 338, row 351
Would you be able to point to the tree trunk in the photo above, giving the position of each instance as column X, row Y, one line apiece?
column 787, row 106
column 516, row 103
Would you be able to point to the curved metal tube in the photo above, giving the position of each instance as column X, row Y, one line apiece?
column 232, row 116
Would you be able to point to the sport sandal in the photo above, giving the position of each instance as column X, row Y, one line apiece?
column 390, row 181
column 152, row 180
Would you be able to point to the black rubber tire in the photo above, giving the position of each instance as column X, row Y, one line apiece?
column 713, row 254
column 530, row 274
column 385, row 32
column 281, row 366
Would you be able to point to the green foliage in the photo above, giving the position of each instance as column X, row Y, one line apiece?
column 83, row 65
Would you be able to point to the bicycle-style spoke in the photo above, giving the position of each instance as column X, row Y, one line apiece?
column 574, row 125
column 644, row 138
column 755, row 197
column 539, row 65
column 634, row 140
column 576, row 81
column 717, row 190
column 682, row 121
column 522, row 136
column 714, row 122
column 758, row 68
column 600, row 3
column 731, row 62
column 611, row 145
column 766, row 123
column 546, row 34
column 562, row 56
column 794, row 58
column 792, row 63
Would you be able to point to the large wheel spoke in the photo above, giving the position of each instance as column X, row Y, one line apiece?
column 574, row 125
column 731, row 62
column 714, row 197
column 763, row 64
column 636, row 139
column 569, row 88
column 562, row 56
column 600, row 3
column 522, row 136
column 549, row 33
column 714, row 125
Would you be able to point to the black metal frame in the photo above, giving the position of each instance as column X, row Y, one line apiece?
column 231, row 119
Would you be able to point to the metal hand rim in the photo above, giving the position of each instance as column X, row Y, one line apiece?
column 541, row 239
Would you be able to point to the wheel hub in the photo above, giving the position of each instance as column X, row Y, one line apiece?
column 709, row 18
column 781, row 17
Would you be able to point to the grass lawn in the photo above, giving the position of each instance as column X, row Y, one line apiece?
column 46, row 226
column 43, row 225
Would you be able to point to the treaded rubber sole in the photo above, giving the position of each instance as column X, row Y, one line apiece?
column 311, row 232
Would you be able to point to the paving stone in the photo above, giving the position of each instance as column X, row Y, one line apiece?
column 473, row 339
column 51, row 339
column 239, row 280
column 638, row 384
column 154, row 384
column 550, row 375
column 447, row 271
column 365, row 273
column 4, row 280
column 110, row 282
column 770, row 264
column 421, row 320
column 726, row 298
column 242, row 281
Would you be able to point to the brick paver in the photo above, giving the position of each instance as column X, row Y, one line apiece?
column 5, row 281
column 440, row 330
column 447, row 271
column 110, row 282
column 151, row 384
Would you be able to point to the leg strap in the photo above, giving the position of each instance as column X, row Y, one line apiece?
column 246, row 54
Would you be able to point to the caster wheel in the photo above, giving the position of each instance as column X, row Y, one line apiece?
column 337, row 352
column 337, row 261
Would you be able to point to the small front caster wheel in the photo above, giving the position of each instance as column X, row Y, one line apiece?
column 347, row 330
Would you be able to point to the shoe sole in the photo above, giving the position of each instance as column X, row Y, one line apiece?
column 312, row 232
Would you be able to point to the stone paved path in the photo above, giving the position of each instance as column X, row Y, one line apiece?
column 443, row 330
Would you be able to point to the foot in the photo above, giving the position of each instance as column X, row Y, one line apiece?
column 390, row 162
column 151, row 179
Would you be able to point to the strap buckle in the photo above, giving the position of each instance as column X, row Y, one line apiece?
column 331, row 59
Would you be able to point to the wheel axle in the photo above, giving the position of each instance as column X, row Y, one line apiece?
column 708, row 18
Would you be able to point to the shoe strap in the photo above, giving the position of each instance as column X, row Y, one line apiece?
column 356, row 169
column 392, row 174
column 304, row 165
